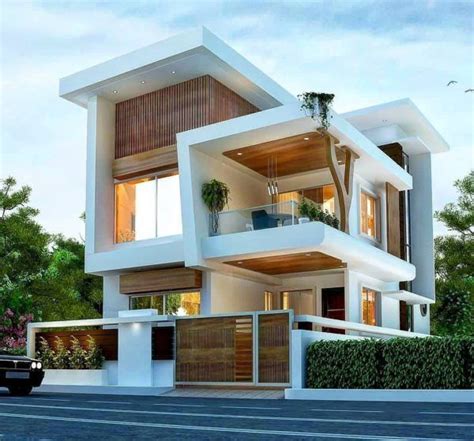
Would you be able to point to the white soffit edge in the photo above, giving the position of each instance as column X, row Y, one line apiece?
column 174, row 60
column 403, row 113
column 408, row 297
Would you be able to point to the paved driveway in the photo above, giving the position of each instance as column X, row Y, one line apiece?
column 45, row 417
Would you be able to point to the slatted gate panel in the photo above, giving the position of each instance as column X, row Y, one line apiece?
column 274, row 348
column 214, row 350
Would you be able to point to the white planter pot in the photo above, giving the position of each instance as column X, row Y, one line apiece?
column 76, row 377
column 303, row 220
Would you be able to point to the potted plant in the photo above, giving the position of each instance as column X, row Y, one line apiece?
column 305, row 211
column 215, row 195
column 317, row 104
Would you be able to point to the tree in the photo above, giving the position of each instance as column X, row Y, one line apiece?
column 41, row 275
column 453, row 312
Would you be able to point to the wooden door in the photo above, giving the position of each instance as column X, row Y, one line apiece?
column 333, row 306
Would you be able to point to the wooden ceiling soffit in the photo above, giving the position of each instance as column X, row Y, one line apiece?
column 295, row 154
column 160, row 159
column 160, row 280
column 289, row 263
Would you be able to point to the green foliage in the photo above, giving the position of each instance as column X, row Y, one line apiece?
column 320, row 102
column 40, row 273
column 344, row 364
column 425, row 363
column 453, row 312
column 78, row 355
column 398, row 363
column 62, row 355
column 308, row 208
column 94, row 356
column 215, row 195
column 45, row 354
column 173, row 303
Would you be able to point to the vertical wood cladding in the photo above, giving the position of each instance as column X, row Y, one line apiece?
column 150, row 121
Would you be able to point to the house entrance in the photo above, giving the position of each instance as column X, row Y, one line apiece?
column 333, row 306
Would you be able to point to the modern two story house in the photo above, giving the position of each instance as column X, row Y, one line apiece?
column 168, row 118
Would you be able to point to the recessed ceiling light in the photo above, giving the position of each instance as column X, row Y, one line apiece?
column 240, row 263
column 142, row 81
column 173, row 72
column 308, row 254
column 115, row 91
column 239, row 154
column 306, row 138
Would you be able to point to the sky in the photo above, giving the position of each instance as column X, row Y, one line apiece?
column 365, row 52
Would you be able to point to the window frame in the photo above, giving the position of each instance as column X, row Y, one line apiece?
column 164, row 294
column 156, row 176
column 378, row 305
column 377, row 216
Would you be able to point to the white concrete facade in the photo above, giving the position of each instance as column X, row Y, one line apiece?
column 367, row 264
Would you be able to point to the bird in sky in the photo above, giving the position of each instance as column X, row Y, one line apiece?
column 469, row 90
column 451, row 83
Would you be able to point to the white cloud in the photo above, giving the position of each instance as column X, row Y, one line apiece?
column 364, row 58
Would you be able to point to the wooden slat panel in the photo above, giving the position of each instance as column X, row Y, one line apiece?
column 163, row 343
column 162, row 159
column 106, row 339
column 152, row 120
column 393, row 220
column 169, row 279
column 217, row 349
column 289, row 263
column 273, row 348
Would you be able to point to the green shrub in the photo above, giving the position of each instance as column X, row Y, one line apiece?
column 45, row 354
column 94, row 357
column 78, row 355
column 61, row 355
column 344, row 364
column 398, row 363
column 424, row 363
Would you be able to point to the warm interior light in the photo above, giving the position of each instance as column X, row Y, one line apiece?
column 308, row 254
column 239, row 154
column 306, row 138
column 239, row 263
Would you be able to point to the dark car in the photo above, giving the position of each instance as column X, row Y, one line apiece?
column 20, row 374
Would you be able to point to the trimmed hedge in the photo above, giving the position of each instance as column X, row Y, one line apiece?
column 398, row 363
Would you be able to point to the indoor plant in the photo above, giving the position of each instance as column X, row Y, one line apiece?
column 215, row 195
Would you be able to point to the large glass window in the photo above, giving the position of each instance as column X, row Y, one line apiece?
column 368, row 215
column 324, row 196
column 146, row 208
column 185, row 303
column 268, row 297
column 369, row 306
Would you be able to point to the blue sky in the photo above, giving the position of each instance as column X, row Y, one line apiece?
column 366, row 52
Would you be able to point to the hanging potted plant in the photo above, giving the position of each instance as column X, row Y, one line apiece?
column 318, row 106
column 215, row 195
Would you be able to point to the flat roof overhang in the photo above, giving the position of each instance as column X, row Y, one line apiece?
column 172, row 61
column 313, row 237
column 421, row 137
column 290, row 121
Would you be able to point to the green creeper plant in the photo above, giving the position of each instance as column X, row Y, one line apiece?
column 317, row 102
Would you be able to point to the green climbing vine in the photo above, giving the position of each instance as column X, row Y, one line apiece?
column 318, row 105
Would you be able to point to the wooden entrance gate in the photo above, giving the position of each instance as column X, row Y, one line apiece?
column 248, row 348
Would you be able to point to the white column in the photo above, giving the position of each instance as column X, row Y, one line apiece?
column 113, row 300
column 135, row 366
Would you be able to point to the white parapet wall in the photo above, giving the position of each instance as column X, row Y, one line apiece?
column 76, row 377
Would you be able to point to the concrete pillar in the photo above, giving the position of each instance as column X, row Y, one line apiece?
column 135, row 365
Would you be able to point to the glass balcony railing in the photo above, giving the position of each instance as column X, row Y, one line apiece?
column 255, row 218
